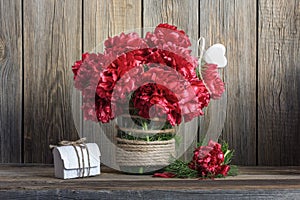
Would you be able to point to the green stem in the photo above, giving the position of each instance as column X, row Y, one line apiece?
column 145, row 126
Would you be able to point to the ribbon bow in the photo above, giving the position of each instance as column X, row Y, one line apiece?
column 77, row 142
column 80, row 143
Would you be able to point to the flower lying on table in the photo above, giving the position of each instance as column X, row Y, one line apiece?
column 211, row 161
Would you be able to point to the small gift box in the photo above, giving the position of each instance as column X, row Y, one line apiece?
column 74, row 159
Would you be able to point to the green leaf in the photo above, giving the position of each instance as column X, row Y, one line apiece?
column 198, row 72
column 228, row 154
column 233, row 170
column 146, row 68
column 225, row 147
column 228, row 157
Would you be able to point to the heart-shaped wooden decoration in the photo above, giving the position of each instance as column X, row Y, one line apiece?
column 216, row 55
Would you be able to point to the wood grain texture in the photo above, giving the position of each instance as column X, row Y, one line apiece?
column 103, row 19
column 278, row 83
column 52, row 42
column 233, row 23
column 10, row 81
column 184, row 15
column 153, row 194
column 252, row 183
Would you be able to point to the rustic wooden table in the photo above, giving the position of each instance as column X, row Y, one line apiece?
column 37, row 182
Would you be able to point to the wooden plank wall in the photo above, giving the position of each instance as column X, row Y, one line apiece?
column 11, row 81
column 52, row 41
column 279, row 83
column 40, row 39
column 228, row 22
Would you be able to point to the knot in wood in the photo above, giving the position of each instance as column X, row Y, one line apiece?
column 2, row 49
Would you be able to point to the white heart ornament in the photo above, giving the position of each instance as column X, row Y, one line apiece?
column 216, row 55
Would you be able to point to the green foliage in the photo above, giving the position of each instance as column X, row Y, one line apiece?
column 225, row 146
column 146, row 68
column 233, row 170
column 181, row 169
column 143, row 124
column 156, row 137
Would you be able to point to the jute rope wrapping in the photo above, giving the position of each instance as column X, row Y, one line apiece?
column 81, row 144
column 143, row 153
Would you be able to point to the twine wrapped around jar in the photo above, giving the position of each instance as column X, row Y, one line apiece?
column 145, row 153
column 142, row 153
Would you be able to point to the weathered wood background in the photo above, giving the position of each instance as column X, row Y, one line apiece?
column 40, row 40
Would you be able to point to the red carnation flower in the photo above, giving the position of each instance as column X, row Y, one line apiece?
column 78, row 64
column 124, row 43
column 212, row 80
column 171, row 27
column 208, row 160
column 165, row 34
column 152, row 94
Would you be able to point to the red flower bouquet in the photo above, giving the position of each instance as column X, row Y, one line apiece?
column 211, row 161
column 162, row 59
column 155, row 77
